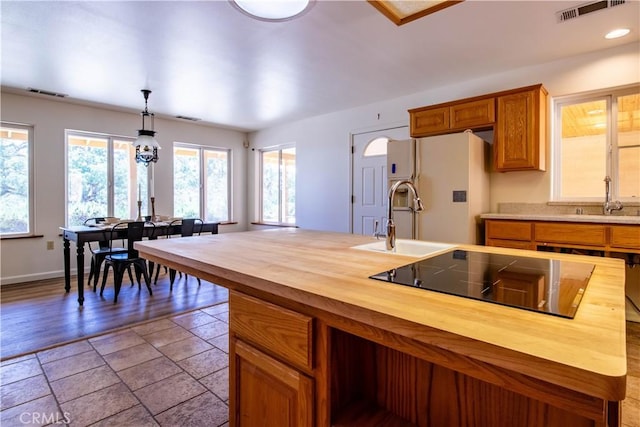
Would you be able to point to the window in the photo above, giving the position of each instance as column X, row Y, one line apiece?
column 278, row 190
column 16, row 198
column 597, row 135
column 201, row 183
column 377, row 147
column 103, row 178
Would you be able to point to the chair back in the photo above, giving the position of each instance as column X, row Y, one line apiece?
column 135, row 232
column 188, row 227
column 198, row 226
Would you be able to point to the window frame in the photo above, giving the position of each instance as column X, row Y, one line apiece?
column 111, row 139
column 202, row 178
column 610, row 95
column 31, row 231
column 279, row 149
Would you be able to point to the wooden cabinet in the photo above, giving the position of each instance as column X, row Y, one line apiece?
column 509, row 234
column 625, row 236
column 266, row 392
column 270, row 355
column 431, row 121
column 571, row 234
column 452, row 117
column 518, row 118
column 469, row 115
column 520, row 131
column 519, row 234
column 282, row 332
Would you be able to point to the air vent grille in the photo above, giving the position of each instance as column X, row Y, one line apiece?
column 192, row 119
column 47, row 92
column 583, row 9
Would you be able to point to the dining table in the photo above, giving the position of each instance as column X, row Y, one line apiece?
column 81, row 234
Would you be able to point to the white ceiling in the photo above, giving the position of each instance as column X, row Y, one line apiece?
column 207, row 60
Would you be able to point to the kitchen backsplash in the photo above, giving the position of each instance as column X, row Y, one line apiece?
column 564, row 208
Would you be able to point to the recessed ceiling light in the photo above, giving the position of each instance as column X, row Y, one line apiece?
column 273, row 10
column 619, row 32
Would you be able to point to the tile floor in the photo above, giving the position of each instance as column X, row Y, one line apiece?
column 169, row 372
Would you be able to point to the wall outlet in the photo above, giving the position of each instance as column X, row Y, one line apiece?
column 49, row 245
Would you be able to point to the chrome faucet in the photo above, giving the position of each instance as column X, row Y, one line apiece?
column 609, row 205
column 417, row 206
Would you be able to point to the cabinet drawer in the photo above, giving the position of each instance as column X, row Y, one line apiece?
column 625, row 236
column 472, row 114
column 512, row 244
column 509, row 230
column 577, row 234
column 429, row 121
column 283, row 332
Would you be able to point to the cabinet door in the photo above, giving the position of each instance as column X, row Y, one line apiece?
column 266, row 392
column 625, row 236
column 520, row 135
column 509, row 230
column 429, row 121
column 577, row 235
column 474, row 114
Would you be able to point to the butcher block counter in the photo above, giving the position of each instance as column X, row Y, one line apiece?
column 315, row 342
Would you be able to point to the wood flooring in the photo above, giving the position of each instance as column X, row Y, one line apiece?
column 38, row 315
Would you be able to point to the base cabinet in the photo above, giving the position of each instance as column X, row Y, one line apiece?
column 533, row 235
column 370, row 377
column 268, row 392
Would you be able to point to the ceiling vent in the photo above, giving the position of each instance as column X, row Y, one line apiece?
column 46, row 92
column 583, row 9
column 192, row 119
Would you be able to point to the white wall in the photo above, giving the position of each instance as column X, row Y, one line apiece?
column 27, row 259
column 323, row 142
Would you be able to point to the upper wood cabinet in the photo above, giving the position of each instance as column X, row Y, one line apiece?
column 520, row 133
column 452, row 116
column 470, row 115
column 518, row 117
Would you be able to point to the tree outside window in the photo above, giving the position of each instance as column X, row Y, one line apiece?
column 278, row 190
column 103, row 178
column 16, row 216
column 201, row 182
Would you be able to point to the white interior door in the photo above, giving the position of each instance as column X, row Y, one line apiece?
column 369, row 180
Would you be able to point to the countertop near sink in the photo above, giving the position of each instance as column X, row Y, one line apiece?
column 600, row 219
column 318, row 273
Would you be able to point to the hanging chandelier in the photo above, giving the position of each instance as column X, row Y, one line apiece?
column 146, row 145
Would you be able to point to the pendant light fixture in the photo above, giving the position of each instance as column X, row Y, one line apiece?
column 146, row 145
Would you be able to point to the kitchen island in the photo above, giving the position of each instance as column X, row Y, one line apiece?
column 314, row 341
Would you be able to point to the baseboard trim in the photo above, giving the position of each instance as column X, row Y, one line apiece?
column 10, row 280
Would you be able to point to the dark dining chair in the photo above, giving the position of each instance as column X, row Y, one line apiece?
column 122, row 261
column 188, row 227
column 99, row 252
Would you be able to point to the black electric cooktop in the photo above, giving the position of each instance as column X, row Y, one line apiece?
column 542, row 285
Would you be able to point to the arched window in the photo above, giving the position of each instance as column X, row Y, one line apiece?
column 376, row 147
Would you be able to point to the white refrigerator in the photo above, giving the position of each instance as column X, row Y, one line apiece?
column 453, row 182
column 451, row 173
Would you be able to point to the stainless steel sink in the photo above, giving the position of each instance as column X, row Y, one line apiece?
column 412, row 248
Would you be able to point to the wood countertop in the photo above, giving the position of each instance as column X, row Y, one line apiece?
column 320, row 271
